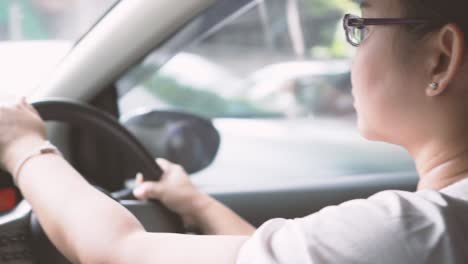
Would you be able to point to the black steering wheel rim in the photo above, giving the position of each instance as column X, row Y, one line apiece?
column 88, row 117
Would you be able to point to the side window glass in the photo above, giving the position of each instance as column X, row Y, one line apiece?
column 275, row 80
column 279, row 59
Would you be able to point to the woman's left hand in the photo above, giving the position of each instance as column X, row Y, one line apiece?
column 21, row 129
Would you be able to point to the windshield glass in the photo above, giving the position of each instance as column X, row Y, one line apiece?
column 36, row 34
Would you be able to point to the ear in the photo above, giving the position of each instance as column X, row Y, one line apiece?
column 447, row 58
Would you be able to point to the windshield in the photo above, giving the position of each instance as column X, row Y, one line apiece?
column 36, row 34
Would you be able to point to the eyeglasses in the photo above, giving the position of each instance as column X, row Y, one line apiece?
column 357, row 30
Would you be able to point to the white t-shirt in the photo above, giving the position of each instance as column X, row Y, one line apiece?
column 389, row 227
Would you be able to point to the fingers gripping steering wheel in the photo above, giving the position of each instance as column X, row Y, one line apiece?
column 21, row 236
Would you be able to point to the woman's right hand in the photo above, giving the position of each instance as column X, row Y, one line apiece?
column 175, row 191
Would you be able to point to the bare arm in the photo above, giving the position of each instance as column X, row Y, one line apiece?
column 86, row 225
column 217, row 219
column 197, row 209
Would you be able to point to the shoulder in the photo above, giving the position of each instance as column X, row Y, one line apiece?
column 397, row 214
column 390, row 223
column 387, row 206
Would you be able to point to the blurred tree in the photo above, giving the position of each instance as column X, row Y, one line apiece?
column 240, row 44
column 322, row 20
column 21, row 17
column 198, row 101
column 320, row 7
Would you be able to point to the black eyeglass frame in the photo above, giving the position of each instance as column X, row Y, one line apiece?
column 352, row 21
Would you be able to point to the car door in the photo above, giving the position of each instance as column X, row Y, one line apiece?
column 274, row 79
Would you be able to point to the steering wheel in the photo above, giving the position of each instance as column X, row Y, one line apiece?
column 22, row 239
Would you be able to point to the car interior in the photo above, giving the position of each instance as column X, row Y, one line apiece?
column 255, row 157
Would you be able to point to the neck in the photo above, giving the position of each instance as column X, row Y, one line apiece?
column 441, row 164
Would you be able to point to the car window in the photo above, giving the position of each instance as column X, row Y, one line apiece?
column 276, row 59
column 275, row 80
column 36, row 34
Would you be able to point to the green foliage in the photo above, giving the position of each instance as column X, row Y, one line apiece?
column 201, row 102
column 320, row 7
column 328, row 41
column 32, row 25
column 331, row 42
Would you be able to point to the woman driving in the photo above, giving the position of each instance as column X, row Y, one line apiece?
column 411, row 89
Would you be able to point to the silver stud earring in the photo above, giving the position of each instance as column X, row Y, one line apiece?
column 434, row 85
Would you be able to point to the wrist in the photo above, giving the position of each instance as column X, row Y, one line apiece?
column 18, row 148
column 200, row 204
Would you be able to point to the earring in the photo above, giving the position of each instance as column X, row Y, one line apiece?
column 434, row 85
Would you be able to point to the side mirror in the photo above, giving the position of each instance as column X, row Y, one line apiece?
column 182, row 138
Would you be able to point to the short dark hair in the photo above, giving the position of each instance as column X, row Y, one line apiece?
column 439, row 12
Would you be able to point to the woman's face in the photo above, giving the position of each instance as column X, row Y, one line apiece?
column 387, row 83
